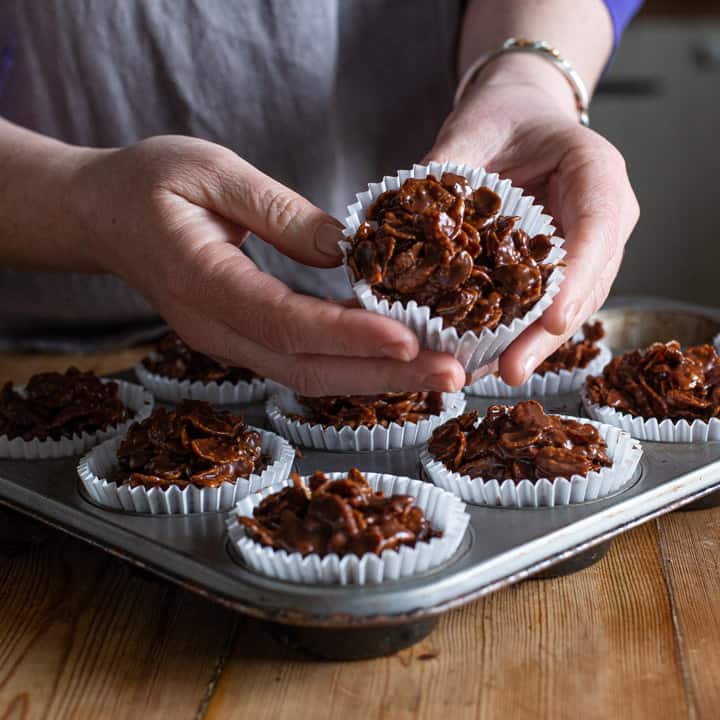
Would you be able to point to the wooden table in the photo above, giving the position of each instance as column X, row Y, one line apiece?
column 83, row 635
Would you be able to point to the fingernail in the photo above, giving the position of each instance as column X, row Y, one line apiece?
column 443, row 382
column 569, row 315
column 482, row 372
column 529, row 366
column 327, row 237
column 397, row 351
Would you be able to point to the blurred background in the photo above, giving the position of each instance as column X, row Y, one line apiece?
column 660, row 105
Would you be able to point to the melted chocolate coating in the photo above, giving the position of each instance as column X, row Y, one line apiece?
column 356, row 410
column 661, row 381
column 345, row 517
column 57, row 405
column 443, row 245
column 571, row 355
column 193, row 444
column 518, row 443
column 177, row 360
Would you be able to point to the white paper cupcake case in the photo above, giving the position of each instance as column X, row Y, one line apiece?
column 622, row 449
column 551, row 383
column 96, row 466
column 444, row 511
column 132, row 396
column 473, row 351
column 716, row 342
column 361, row 439
column 652, row 429
column 225, row 393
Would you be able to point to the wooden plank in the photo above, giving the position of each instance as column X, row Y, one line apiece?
column 83, row 635
column 598, row 644
column 690, row 543
column 19, row 367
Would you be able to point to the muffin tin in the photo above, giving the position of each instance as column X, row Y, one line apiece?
column 502, row 545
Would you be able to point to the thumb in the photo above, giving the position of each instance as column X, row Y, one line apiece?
column 239, row 192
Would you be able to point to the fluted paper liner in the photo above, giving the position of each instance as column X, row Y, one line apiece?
column 361, row 439
column 551, row 383
column 96, row 467
column 716, row 342
column 174, row 391
column 653, row 429
column 472, row 350
column 132, row 396
column 444, row 511
column 545, row 492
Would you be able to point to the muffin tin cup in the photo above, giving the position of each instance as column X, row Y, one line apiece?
column 551, row 383
column 97, row 466
column 444, row 511
column 653, row 429
column 622, row 449
column 346, row 439
column 173, row 391
column 472, row 350
column 132, row 396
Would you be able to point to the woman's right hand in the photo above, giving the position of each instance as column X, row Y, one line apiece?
column 169, row 215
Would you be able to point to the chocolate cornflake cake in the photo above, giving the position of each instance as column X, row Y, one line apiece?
column 345, row 517
column 356, row 410
column 442, row 244
column 56, row 405
column 174, row 359
column 192, row 444
column 519, row 443
column 661, row 381
column 575, row 353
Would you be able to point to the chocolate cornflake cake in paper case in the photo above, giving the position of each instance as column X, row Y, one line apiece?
column 62, row 414
column 347, row 528
column 562, row 372
column 356, row 410
column 458, row 255
column 341, row 517
column 521, row 456
column 194, row 458
column 387, row 421
column 578, row 352
column 173, row 371
column 660, row 393
column 191, row 445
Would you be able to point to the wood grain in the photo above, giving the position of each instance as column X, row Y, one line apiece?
column 86, row 636
column 690, row 543
column 20, row 367
column 598, row 644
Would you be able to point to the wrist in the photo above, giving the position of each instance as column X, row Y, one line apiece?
column 83, row 206
column 532, row 72
column 38, row 222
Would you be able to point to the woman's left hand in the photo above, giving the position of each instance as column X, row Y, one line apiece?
column 524, row 126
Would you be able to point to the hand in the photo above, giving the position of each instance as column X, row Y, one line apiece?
column 518, row 119
column 169, row 215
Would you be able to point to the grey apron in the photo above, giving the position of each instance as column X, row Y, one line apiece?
column 324, row 95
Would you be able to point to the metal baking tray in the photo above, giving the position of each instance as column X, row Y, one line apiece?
column 502, row 546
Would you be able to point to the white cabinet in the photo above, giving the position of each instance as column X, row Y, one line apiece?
column 661, row 106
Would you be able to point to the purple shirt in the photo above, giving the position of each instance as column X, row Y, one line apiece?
column 622, row 12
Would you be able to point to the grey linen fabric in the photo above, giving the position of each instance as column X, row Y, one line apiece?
column 324, row 95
